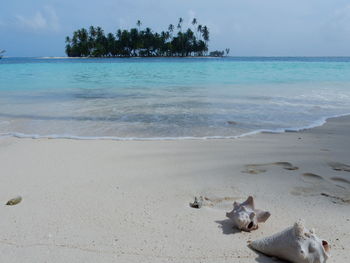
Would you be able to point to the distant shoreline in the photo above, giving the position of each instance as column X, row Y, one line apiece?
column 236, row 57
column 126, row 57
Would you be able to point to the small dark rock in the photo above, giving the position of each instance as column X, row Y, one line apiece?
column 232, row 122
column 197, row 203
column 14, row 201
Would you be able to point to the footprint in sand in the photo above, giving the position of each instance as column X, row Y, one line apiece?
column 300, row 190
column 317, row 185
column 286, row 166
column 339, row 166
column 341, row 182
column 310, row 177
column 252, row 169
column 262, row 168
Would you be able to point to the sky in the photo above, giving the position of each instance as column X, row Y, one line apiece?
column 247, row 27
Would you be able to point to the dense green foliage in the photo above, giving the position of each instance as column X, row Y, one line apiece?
column 138, row 42
column 218, row 53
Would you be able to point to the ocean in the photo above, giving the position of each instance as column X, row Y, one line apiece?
column 169, row 98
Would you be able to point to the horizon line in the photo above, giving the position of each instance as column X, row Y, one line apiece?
column 240, row 56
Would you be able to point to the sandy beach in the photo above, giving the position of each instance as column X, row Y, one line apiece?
column 128, row 201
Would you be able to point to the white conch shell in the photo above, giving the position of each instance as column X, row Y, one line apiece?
column 295, row 244
column 245, row 217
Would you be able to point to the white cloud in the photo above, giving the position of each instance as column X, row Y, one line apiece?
column 35, row 22
column 45, row 19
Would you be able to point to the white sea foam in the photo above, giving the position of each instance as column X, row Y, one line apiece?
column 314, row 124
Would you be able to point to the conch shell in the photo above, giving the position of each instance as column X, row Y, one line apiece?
column 295, row 244
column 245, row 217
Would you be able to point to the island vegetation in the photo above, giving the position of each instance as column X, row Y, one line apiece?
column 218, row 53
column 1, row 53
column 174, row 42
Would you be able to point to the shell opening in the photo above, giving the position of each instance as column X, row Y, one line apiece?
column 325, row 246
column 250, row 225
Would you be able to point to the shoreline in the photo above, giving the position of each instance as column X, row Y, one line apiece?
column 127, row 57
column 318, row 123
column 102, row 200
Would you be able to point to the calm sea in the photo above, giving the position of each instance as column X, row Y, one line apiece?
column 158, row 98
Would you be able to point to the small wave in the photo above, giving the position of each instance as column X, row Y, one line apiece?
column 314, row 124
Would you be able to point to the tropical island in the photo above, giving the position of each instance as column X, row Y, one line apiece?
column 137, row 42
column 1, row 53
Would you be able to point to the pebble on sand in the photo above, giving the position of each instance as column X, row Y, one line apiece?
column 14, row 201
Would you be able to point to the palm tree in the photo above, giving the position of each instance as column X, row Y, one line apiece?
column 83, row 37
column 111, row 47
column 171, row 29
column 199, row 29
column 227, row 51
column 101, row 43
column 92, row 31
column 205, row 34
column 179, row 25
column 180, row 36
column 134, row 39
column 148, row 39
column 92, row 38
column 119, row 33
column 194, row 22
column 138, row 23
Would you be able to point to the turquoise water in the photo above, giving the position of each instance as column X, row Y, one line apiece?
column 169, row 98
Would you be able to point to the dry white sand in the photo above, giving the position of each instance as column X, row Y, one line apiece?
column 113, row 201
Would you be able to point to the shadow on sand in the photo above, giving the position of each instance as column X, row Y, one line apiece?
column 227, row 227
column 261, row 258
